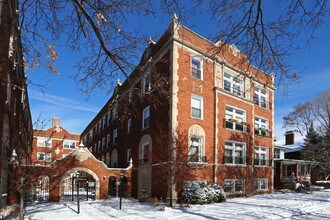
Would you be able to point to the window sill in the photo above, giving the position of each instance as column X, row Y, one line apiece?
column 237, row 130
column 194, row 118
column 201, row 80
column 262, row 136
column 143, row 129
column 234, row 164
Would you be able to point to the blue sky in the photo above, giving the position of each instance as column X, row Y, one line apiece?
column 60, row 96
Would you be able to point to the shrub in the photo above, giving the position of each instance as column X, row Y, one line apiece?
column 200, row 193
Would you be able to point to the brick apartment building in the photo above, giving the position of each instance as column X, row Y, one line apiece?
column 52, row 143
column 215, row 101
column 15, row 117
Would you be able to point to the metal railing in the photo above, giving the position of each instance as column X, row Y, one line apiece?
column 236, row 125
column 235, row 91
column 262, row 132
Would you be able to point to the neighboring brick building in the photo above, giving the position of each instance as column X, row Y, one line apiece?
column 15, row 117
column 222, row 105
column 53, row 143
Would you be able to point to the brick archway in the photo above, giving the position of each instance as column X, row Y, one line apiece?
column 81, row 159
column 67, row 174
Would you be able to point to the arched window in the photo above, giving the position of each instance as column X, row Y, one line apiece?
column 196, row 152
column 114, row 158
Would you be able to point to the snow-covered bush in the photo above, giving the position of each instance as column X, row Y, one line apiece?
column 200, row 193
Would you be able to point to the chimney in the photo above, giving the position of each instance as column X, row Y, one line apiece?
column 289, row 137
column 55, row 122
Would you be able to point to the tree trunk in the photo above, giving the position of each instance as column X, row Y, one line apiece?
column 21, row 205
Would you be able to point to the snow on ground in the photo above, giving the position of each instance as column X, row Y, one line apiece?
column 279, row 205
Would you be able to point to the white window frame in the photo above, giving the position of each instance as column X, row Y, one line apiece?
column 233, row 183
column 234, row 147
column 46, row 142
column 146, row 85
column 261, row 97
column 261, row 126
column 259, row 183
column 145, row 116
column 200, row 108
column 69, row 143
column 235, row 80
column 235, row 119
column 200, row 149
column 114, row 136
column 47, row 157
column 260, row 154
column 303, row 172
column 145, row 155
column 194, row 67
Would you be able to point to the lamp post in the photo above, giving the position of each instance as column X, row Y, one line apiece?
column 121, row 189
column 87, row 190
column 78, row 202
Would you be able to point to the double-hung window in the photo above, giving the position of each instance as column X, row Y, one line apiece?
column 44, row 157
column 146, row 117
column 234, row 84
column 196, row 107
column 114, row 136
column 261, row 126
column 195, row 153
column 235, row 119
column 44, row 142
column 261, row 156
column 234, row 153
column 261, row 184
column 69, row 144
column 261, row 97
column 197, row 67
column 144, row 154
column 234, row 186
column 146, row 83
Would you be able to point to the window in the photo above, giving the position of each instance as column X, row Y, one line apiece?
column 234, row 186
column 235, row 119
column 234, row 84
column 288, row 171
column 103, row 143
column 114, row 136
column 261, row 156
column 109, row 117
column 107, row 159
column 8, row 89
column 197, row 67
column 146, row 117
column 90, row 135
column 234, row 153
column 145, row 154
column 261, row 126
column 101, row 125
column 104, row 122
column 99, row 146
column 261, row 97
column 108, row 140
column 302, row 170
column 196, row 107
column 69, row 144
column 44, row 157
column 129, row 126
column 44, row 142
column 195, row 153
column 277, row 153
column 129, row 155
column 261, row 184
column 146, row 83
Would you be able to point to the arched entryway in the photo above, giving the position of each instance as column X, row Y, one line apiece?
column 82, row 179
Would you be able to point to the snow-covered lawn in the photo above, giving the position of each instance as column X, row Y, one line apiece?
column 271, row 206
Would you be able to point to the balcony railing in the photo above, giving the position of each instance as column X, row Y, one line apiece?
column 262, row 132
column 262, row 103
column 235, row 91
column 233, row 160
column 197, row 159
column 144, row 161
column 236, row 125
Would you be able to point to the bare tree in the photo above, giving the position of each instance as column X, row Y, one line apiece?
column 316, row 111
